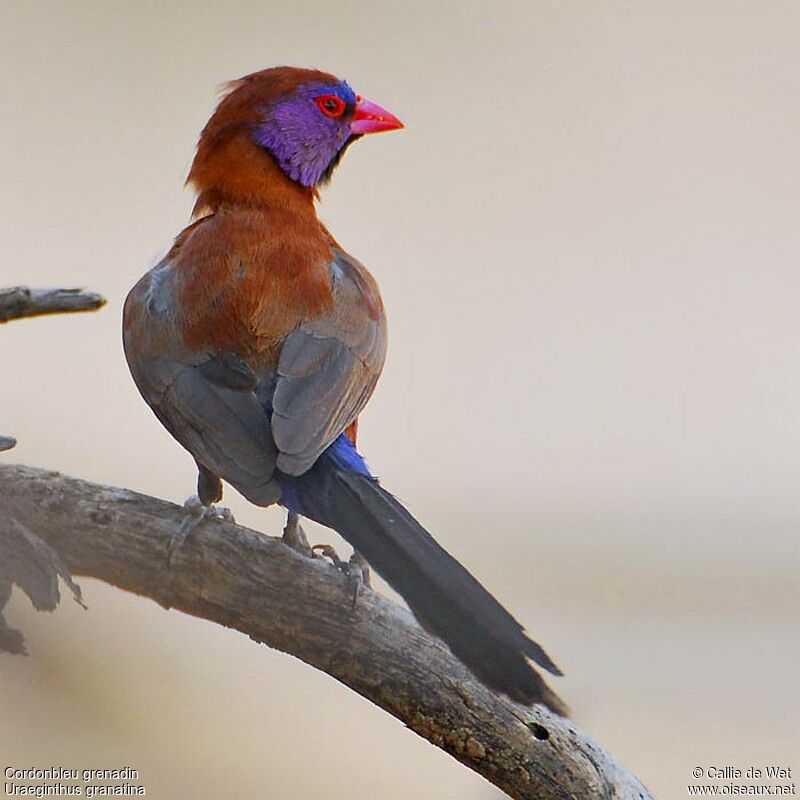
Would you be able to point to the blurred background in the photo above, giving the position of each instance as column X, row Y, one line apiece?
column 587, row 242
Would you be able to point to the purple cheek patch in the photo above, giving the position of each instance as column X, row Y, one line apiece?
column 301, row 138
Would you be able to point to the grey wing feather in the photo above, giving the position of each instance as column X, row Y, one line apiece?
column 215, row 406
column 225, row 429
column 207, row 402
column 328, row 369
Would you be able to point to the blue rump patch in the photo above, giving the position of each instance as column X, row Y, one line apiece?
column 306, row 494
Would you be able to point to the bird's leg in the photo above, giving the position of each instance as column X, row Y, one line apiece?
column 295, row 536
column 209, row 486
column 209, row 491
column 356, row 570
column 358, row 562
column 200, row 507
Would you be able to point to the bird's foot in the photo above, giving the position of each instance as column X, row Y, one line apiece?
column 357, row 561
column 295, row 537
column 356, row 570
column 196, row 513
column 326, row 551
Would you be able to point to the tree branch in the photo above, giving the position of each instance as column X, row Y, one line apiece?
column 20, row 301
column 259, row 586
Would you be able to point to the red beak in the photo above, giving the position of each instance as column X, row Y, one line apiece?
column 371, row 118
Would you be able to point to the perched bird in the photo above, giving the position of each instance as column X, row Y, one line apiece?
column 258, row 340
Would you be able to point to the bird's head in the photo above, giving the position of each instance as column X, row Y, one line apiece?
column 300, row 120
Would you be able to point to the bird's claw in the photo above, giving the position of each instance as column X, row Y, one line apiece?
column 356, row 570
column 295, row 537
column 358, row 562
column 196, row 514
column 326, row 551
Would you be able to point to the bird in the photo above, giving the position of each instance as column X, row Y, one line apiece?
column 258, row 340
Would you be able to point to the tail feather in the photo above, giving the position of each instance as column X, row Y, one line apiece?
column 446, row 599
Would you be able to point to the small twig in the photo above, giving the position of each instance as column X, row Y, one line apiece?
column 17, row 302
column 20, row 301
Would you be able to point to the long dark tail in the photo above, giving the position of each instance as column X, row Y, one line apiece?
column 446, row 599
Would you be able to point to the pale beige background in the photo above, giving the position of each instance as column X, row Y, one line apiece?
column 587, row 242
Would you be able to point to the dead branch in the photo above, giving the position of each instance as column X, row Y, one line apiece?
column 20, row 301
column 28, row 562
column 303, row 606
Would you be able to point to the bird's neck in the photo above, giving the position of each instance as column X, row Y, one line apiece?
column 238, row 173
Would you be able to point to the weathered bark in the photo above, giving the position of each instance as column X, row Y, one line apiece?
column 302, row 606
column 20, row 301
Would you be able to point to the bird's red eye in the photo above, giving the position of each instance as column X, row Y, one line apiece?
column 331, row 105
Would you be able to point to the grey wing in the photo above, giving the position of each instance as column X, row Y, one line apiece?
column 328, row 368
column 207, row 402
